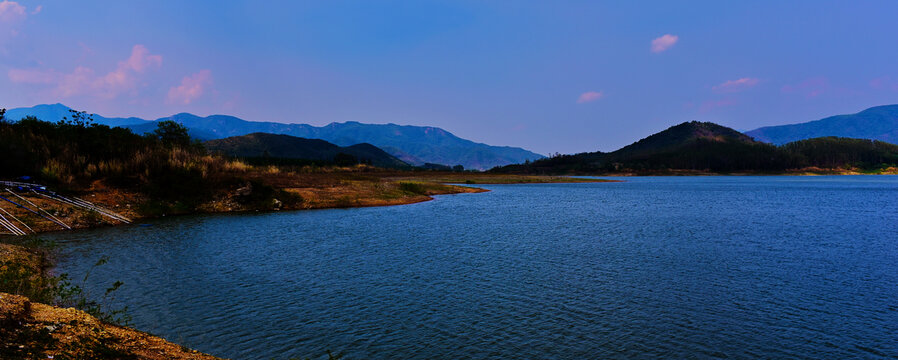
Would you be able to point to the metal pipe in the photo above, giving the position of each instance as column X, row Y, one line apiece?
column 17, row 219
column 9, row 226
column 32, row 211
column 39, row 208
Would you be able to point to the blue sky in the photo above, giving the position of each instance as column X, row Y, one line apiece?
column 549, row 76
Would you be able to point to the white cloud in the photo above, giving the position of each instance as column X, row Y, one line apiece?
column 664, row 42
column 85, row 81
column 12, row 15
column 11, row 11
column 590, row 96
column 192, row 87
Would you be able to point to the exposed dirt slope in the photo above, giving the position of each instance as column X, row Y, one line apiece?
column 31, row 330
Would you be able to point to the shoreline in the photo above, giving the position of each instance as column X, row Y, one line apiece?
column 324, row 191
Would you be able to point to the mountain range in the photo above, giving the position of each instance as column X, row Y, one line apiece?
column 415, row 145
column 263, row 145
column 419, row 145
column 876, row 123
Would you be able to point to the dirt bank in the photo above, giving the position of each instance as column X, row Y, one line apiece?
column 30, row 330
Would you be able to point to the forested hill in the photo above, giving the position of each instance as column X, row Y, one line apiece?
column 680, row 135
column 708, row 147
column 262, row 145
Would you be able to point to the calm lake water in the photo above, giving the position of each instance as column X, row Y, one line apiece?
column 669, row 267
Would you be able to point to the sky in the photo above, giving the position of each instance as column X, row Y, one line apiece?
column 548, row 76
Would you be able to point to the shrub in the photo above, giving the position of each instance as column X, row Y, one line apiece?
column 412, row 187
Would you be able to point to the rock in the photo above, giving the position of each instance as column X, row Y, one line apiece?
column 246, row 190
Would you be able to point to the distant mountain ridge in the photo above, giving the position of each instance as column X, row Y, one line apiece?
column 55, row 112
column 259, row 145
column 876, row 123
column 415, row 145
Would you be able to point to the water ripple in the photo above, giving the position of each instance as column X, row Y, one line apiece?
column 703, row 268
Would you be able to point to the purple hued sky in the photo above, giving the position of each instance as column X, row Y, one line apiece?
column 549, row 76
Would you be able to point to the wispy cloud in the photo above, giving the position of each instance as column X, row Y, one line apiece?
column 32, row 76
column 664, row 43
column 590, row 96
column 884, row 83
column 37, row 10
column 735, row 85
column 810, row 88
column 85, row 80
column 192, row 87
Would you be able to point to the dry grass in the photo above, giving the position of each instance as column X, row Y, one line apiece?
column 352, row 187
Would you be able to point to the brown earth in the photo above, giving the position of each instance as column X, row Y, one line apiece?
column 37, row 331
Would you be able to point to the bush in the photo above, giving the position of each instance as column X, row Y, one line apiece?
column 412, row 187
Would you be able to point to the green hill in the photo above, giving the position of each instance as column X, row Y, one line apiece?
column 708, row 147
column 274, row 146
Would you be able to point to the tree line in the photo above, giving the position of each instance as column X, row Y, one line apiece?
column 726, row 157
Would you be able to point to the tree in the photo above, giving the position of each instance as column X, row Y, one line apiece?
column 171, row 133
column 458, row 168
column 2, row 116
column 80, row 119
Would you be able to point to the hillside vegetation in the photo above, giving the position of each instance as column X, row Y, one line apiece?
column 76, row 154
column 273, row 148
column 708, row 147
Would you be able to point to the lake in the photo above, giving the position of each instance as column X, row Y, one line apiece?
column 653, row 267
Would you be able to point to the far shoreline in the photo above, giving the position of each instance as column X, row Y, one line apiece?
column 379, row 190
